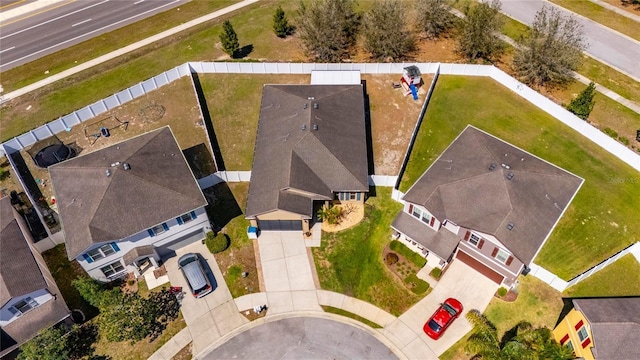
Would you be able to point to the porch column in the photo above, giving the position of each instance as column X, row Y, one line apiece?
column 326, row 204
column 305, row 226
column 154, row 262
column 253, row 222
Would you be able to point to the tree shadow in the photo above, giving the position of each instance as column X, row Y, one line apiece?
column 243, row 52
column 83, row 339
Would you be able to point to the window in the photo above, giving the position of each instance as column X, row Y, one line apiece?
column 112, row 269
column 101, row 252
column 474, row 239
column 417, row 213
column 422, row 215
column 569, row 345
column 157, row 230
column 186, row 218
column 582, row 334
column 23, row 306
column 502, row 256
column 352, row 196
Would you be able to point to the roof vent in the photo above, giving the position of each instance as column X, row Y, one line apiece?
column 126, row 166
column 305, row 105
column 315, row 105
column 510, row 226
column 107, row 172
column 510, row 176
column 492, row 167
column 315, row 127
column 304, row 127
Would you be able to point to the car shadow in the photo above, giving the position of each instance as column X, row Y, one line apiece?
column 208, row 272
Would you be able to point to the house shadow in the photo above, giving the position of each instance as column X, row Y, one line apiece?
column 222, row 206
column 367, row 127
column 215, row 146
column 243, row 52
column 36, row 227
column 200, row 161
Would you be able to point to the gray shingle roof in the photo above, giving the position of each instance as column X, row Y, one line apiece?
column 615, row 326
column 459, row 186
column 291, row 154
column 19, row 272
column 441, row 243
column 97, row 208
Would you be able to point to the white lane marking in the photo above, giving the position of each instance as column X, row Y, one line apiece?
column 80, row 23
column 88, row 33
column 11, row 48
column 138, row 2
column 54, row 19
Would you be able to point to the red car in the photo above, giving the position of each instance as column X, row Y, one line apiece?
column 442, row 318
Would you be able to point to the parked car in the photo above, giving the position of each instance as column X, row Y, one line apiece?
column 448, row 311
column 195, row 275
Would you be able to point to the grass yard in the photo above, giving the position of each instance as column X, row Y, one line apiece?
column 227, row 202
column 234, row 105
column 602, row 218
column 621, row 278
column 350, row 261
column 333, row 310
column 602, row 15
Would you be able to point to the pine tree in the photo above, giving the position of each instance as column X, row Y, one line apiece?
column 281, row 24
column 229, row 39
column 582, row 105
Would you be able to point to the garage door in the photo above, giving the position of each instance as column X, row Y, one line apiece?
column 479, row 267
column 169, row 249
column 280, row 225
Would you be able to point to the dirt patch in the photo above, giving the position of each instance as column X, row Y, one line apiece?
column 353, row 214
column 184, row 354
column 401, row 268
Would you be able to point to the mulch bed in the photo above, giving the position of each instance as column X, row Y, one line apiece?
column 402, row 268
column 510, row 297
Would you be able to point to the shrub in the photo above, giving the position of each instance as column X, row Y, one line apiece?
column 624, row 140
column 281, row 25
column 582, row 105
column 391, row 258
column 610, row 132
column 436, row 273
column 218, row 242
column 419, row 286
column 409, row 254
column 332, row 215
column 502, row 291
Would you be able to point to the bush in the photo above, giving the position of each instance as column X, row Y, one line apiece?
column 502, row 291
column 419, row 286
column 624, row 140
column 332, row 215
column 610, row 132
column 391, row 258
column 218, row 242
column 409, row 254
column 436, row 273
column 582, row 105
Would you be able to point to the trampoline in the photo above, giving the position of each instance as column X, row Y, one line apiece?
column 50, row 151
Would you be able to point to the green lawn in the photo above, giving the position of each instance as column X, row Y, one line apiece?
column 350, row 261
column 621, row 278
column 333, row 310
column 602, row 218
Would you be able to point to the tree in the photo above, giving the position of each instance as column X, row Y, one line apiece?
column 327, row 28
column 96, row 293
column 479, row 33
column 552, row 49
column 229, row 39
column 523, row 341
column 281, row 25
column 582, row 105
column 385, row 31
column 434, row 17
column 48, row 344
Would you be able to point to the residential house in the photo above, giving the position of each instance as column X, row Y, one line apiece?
column 311, row 149
column 486, row 203
column 125, row 207
column 29, row 298
column 602, row 328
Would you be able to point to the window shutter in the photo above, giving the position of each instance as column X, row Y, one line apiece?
column 115, row 247
column 165, row 226
column 586, row 342
column 358, row 196
column 564, row 339
column 509, row 260
column 466, row 236
column 151, row 233
column 432, row 221
column 481, row 243
column 179, row 220
column 579, row 324
column 410, row 208
column 193, row 215
column 87, row 258
column 494, row 252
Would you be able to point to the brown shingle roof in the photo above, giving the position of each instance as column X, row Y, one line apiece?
column 96, row 208
column 615, row 326
column 19, row 272
column 459, row 186
column 290, row 153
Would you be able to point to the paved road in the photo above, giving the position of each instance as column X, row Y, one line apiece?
column 613, row 48
column 48, row 30
column 302, row 338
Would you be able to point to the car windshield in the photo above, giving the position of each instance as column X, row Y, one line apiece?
column 434, row 326
column 187, row 261
column 449, row 309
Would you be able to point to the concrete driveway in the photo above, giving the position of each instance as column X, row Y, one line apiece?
column 461, row 282
column 213, row 315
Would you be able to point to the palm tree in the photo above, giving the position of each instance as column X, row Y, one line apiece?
column 522, row 342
